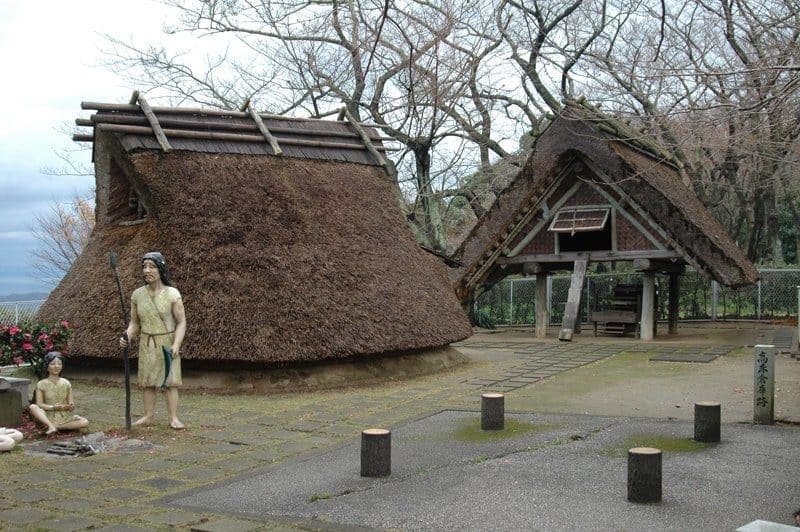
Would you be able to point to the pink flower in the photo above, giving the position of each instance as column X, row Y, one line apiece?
column 18, row 360
column 64, row 323
column 43, row 337
column 14, row 330
column 27, row 347
column 49, row 345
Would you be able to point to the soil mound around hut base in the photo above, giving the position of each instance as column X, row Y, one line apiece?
column 298, row 377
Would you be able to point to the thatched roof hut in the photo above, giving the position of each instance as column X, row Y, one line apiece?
column 595, row 190
column 291, row 257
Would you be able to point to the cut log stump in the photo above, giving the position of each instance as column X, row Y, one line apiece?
column 492, row 411
column 644, row 474
column 376, row 453
column 707, row 421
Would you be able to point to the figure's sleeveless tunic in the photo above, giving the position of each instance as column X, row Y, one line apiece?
column 157, row 329
column 53, row 393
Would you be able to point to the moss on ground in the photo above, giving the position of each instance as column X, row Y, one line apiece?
column 667, row 444
column 470, row 430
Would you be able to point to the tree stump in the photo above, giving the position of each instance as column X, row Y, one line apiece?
column 644, row 474
column 376, row 453
column 492, row 411
column 707, row 421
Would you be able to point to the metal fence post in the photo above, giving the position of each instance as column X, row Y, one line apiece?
column 16, row 313
column 758, row 306
column 549, row 297
column 714, row 295
column 588, row 297
column 511, row 304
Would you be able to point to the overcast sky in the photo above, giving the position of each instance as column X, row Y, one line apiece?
column 50, row 51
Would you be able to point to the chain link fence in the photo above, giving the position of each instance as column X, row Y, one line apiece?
column 512, row 301
column 14, row 312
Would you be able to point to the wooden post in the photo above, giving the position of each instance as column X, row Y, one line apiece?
column 764, row 385
column 644, row 474
column 648, row 304
column 376, row 453
column 542, row 312
column 707, row 421
column 674, row 297
column 492, row 411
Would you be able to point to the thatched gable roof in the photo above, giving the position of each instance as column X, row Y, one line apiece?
column 621, row 160
column 279, row 259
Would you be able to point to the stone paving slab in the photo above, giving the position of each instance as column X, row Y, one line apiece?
column 566, row 472
column 684, row 357
column 265, row 420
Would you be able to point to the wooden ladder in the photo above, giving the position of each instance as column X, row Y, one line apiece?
column 571, row 311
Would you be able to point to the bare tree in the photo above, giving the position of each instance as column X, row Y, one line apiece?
column 458, row 83
column 405, row 66
column 62, row 233
column 722, row 94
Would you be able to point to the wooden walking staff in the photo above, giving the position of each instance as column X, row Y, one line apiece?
column 112, row 258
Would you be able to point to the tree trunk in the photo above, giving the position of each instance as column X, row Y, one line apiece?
column 432, row 218
column 756, row 233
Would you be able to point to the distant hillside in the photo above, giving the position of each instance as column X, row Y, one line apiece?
column 27, row 296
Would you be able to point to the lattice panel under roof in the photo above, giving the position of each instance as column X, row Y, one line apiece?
column 575, row 220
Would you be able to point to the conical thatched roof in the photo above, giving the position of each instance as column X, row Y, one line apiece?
column 583, row 142
column 279, row 259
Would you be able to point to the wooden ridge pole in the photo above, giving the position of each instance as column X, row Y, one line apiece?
column 156, row 127
column 367, row 142
column 235, row 137
column 264, row 131
column 184, row 123
column 121, row 107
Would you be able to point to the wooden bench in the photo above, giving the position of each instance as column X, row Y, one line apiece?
column 623, row 315
column 615, row 321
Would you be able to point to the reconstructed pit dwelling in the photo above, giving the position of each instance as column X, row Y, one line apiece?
column 284, row 236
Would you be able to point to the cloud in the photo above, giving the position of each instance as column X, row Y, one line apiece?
column 49, row 50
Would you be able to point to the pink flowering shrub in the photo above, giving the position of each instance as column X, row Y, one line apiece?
column 30, row 342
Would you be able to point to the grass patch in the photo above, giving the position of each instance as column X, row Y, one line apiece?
column 320, row 496
column 471, row 430
column 667, row 444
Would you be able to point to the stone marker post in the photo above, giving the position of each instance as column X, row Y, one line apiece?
column 707, row 416
column 492, row 411
column 764, row 385
column 376, row 453
column 644, row 474
column 10, row 405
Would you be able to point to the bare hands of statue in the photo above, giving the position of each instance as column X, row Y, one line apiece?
column 123, row 340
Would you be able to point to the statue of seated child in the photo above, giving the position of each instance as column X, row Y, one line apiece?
column 54, row 402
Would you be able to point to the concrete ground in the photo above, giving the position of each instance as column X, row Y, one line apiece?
column 233, row 438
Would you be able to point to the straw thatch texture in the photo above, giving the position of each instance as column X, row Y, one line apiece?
column 646, row 176
column 278, row 260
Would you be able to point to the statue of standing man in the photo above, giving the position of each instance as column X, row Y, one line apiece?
column 158, row 319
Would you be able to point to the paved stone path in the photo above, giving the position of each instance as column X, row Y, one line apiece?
column 230, row 436
column 538, row 361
